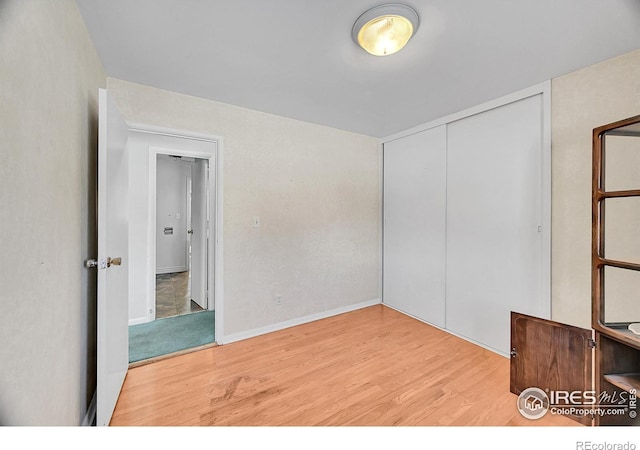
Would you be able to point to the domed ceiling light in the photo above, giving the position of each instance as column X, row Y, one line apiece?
column 383, row 30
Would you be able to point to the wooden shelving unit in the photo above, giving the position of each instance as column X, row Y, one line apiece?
column 617, row 362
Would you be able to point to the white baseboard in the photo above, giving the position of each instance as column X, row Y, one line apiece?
column 293, row 322
column 138, row 321
column 90, row 416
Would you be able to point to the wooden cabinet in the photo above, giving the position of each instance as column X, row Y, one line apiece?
column 559, row 359
column 615, row 262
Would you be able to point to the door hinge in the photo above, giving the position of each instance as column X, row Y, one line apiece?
column 514, row 352
column 591, row 343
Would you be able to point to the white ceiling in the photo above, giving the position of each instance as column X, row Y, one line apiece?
column 295, row 58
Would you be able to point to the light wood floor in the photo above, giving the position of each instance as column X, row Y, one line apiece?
column 370, row 367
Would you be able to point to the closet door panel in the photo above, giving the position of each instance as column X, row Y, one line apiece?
column 414, row 225
column 494, row 211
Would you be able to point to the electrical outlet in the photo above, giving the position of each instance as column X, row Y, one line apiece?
column 278, row 299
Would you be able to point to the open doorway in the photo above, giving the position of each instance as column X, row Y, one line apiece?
column 176, row 239
column 181, row 236
column 182, row 230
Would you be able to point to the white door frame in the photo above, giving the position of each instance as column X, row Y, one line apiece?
column 215, row 246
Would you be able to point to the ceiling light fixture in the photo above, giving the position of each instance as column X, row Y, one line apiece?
column 383, row 30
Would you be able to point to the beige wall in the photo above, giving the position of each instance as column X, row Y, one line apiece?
column 49, row 80
column 316, row 190
column 582, row 100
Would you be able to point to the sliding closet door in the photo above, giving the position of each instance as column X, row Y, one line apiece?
column 414, row 224
column 494, row 221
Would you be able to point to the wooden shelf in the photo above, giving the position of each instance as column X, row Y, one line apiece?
column 617, row 194
column 621, row 334
column 625, row 381
column 618, row 264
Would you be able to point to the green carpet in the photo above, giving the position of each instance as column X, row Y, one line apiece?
column 171, row 334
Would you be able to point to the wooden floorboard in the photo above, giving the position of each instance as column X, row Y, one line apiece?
column 371, row 367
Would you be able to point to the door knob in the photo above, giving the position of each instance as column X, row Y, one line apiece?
column 102, row 264
column 99, row 264
column 115, row 261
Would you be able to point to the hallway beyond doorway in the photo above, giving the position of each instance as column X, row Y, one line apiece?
column 173, row 295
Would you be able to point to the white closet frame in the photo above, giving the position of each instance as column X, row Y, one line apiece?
column 544, row 91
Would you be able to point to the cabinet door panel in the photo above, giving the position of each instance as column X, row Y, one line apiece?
column 414, row 224
column 550, row 356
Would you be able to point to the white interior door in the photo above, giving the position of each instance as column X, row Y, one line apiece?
column 494, row 221
column 199, row 235
column 113, row 282
column 415, row 225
